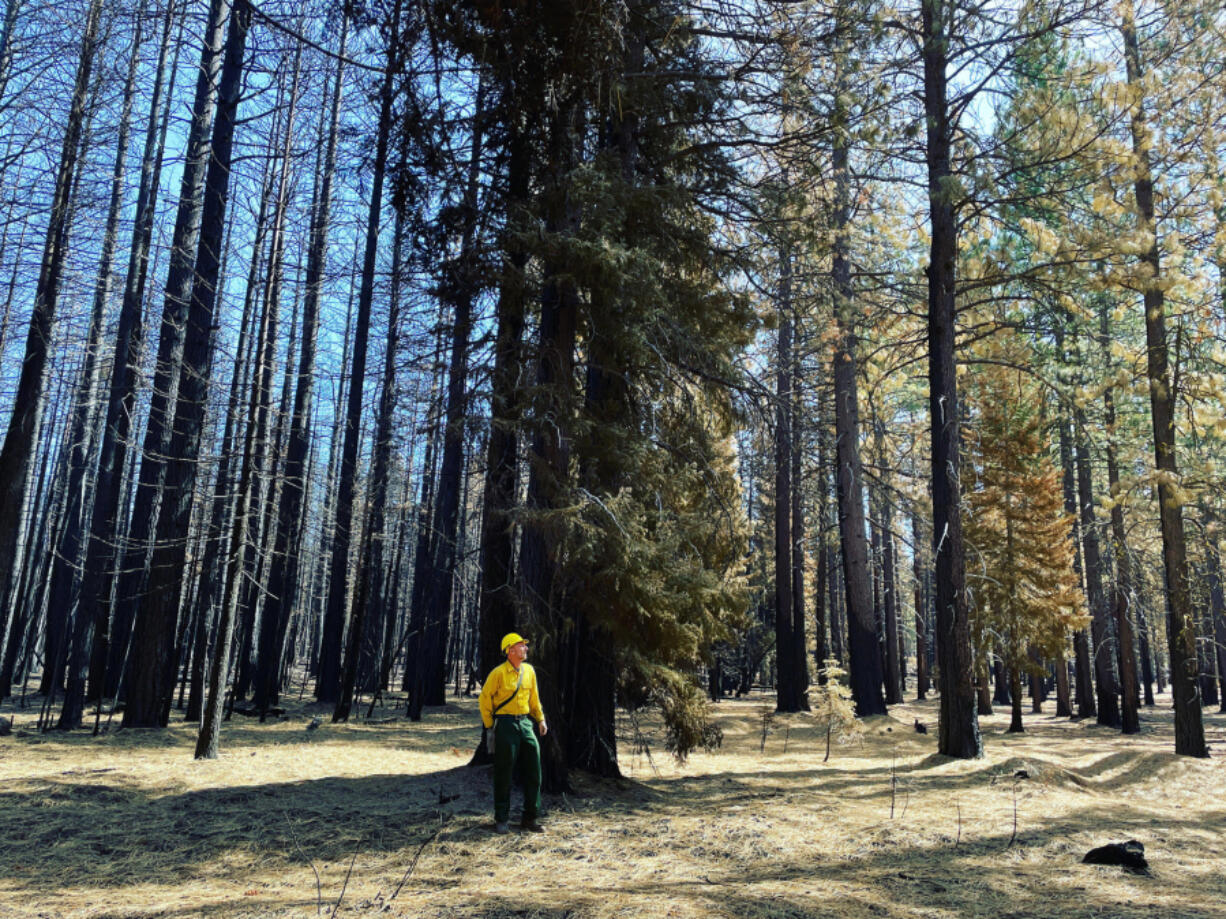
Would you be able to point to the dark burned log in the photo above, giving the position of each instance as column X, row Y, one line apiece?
column 254, row 712
column 1130, row 855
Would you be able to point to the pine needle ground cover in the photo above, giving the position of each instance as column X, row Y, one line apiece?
column 386, row 819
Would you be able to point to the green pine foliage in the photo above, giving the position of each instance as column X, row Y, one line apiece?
column 661, row 563
column 649, row 528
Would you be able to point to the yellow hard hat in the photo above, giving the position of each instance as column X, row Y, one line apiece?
column 511, row 638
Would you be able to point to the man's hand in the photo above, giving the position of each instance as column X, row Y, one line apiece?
column 543, row 728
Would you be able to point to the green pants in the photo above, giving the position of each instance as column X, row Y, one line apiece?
column 515, row 740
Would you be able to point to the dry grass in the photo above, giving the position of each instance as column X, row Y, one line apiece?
column 129, row 825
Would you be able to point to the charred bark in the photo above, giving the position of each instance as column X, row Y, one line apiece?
column 959, row 725
column 65, row 579
column 328, row 683
column 19, row 442
column 1181, row 629
column 865, row 665
column 152, row 681
column 1100, row 631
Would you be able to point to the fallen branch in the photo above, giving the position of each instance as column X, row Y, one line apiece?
column 893, row 782
column 348, row 874
column 319, row 891
column 252, row 712
column 413, row 864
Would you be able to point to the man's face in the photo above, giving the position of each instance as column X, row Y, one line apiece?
column 517, row 653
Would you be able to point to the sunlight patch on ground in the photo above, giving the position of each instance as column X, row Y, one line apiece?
column 387, row 819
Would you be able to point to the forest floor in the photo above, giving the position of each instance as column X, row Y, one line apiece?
column 385, row 818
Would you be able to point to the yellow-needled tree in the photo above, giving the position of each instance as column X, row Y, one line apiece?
column 1020, row 559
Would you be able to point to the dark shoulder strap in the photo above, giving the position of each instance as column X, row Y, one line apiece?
column 514, row 692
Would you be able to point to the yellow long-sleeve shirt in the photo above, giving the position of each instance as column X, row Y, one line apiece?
column 500, row 684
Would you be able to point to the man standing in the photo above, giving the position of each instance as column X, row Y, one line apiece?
column 510, row 709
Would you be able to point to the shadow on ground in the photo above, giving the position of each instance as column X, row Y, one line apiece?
column 103, row 829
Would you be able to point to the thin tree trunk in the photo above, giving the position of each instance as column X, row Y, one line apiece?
column 328, row 683
column 335, row 438
column 1147, row 657
column 1122, row 588
column 893, row 647
column 800, row 656
column 19, row 445
column 414, row 678
column 1217, row 597
column 787, row 693
column 821, row 609
column 1081, row 638
column 26, row 611
column 213, row 568
column 1064, row 699
column 59, row 619
column 207, row 741
column 16, row 260
column 460, row 289
column 113, row 460
column 900, row 621
column 159, row 429
column 921, row 613
column 257, row 453
column 282, row 593
column 1037, row 692
column 11, row 9
column 874, row 555
column 152, row 679
column 1206, row 659
column 392, row 623
column 64, row 578
column 259, row 546
column 365, row 631
column 836, row 596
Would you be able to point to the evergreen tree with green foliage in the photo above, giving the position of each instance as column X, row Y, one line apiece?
column 632, row 534
column 645, row 528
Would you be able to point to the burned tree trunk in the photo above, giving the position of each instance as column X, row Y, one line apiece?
column 365, row 631
column 1103, row 656
column 64, row 578
column 19, row 443
column 959, row 724
column 865, row 670
column 787, row 690
column 459, row 288
column 152, row 680
column 328, row 682
column 104, row 513
column 1181, row 628
column 287, row 552
column 147, row 498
